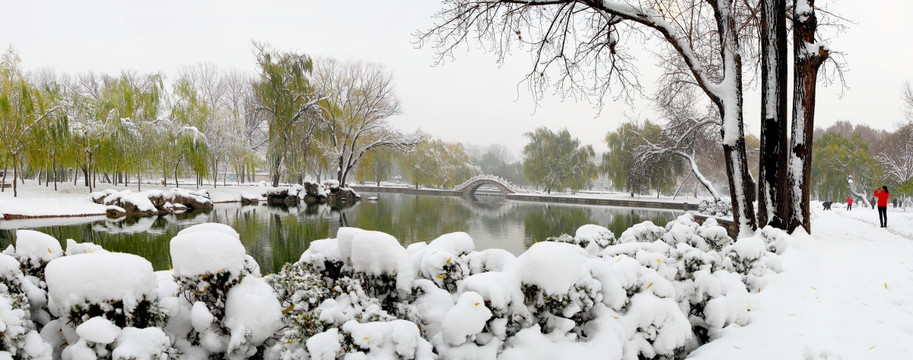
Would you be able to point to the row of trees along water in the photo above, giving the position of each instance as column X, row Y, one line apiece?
column 296, row 115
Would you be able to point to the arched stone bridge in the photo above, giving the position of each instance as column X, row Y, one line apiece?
column 470, row 186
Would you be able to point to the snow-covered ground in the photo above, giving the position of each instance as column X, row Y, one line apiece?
column 843, row 292
column 74, row 200
column 846, row 292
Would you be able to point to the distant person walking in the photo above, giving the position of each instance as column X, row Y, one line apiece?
column 882, row 195
column 849, row 203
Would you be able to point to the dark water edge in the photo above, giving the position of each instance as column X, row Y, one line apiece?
column 275, row 236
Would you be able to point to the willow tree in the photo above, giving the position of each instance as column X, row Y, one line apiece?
column 23, row 109
column 135, row 102
column 377, row 165
column 182, row 142
column 557, row 161
column 437, row 163
column 840, row 163
column 284, row 93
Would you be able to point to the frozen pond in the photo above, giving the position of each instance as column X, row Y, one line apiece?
column 275, row 236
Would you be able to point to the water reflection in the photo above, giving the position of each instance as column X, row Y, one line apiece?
column 274, row 236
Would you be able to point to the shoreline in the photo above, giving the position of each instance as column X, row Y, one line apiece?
column 37, row 202
column 555, row 198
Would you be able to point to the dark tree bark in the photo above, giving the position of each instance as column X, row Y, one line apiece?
column 772, row 173
column 809, row 55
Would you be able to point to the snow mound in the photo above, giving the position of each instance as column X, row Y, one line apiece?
column 553, row 267
column 98, row 330
column 98, row 277
column 397, row 339
column 203, row 252
column 466, row 319
column 594, row 234
column 252, row 307
column 217, row 227
column 35, row 247
column 147, row 343
column 376, row 253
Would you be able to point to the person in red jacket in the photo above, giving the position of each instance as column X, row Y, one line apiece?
column 882, row 195
column 849, row 203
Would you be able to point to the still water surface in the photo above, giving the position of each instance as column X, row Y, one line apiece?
column 274, row 236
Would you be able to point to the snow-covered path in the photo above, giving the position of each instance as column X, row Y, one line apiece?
column 845, row 293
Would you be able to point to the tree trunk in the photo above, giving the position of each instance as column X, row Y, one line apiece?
column 176, row 177
column 54, row 165
column 700, row 176
column 15, row 173
column 277, row 163
column 339, row 171
column 139, row 181
column 3, row 182
column 772, row 167
column 732, row 132
column 90, row 181
column 809, row 56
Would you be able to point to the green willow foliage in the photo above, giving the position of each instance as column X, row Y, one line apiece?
column 284, row 92
column 636, row 174
column 838, row 157
column 435, row 162
column 556, row 161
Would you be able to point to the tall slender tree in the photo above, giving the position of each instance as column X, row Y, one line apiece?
column 285, row 94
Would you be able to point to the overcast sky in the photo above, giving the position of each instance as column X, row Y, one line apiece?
column 469, row 99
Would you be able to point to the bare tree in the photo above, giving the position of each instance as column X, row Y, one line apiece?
column 580, row 41
column 360, row 100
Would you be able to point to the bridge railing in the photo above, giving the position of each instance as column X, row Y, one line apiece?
column 492, row 178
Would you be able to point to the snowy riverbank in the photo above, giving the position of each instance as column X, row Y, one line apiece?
column 70, row 200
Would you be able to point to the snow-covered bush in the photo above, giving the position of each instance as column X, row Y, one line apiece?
column 591, row 237
column 655, row 293
column 646, row 231
column 231, row 310
column 361, row 276
column 715, row 207
column 95, row 296
column 18, row 336
column 34, row 250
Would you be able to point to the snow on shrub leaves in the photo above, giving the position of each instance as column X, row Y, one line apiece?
column 652, row 293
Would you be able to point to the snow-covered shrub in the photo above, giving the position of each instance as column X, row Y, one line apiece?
column 559, row 286
column 594, row 234
column 444, row 260
column 18, row 336
column 95, row 295
column 706, row 237
column 361, row 277
column 715, row 208
column 216, row 282
column 34, row 250
column 490, row 260
column 646, row 231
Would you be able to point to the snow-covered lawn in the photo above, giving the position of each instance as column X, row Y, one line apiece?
column 846, row 292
